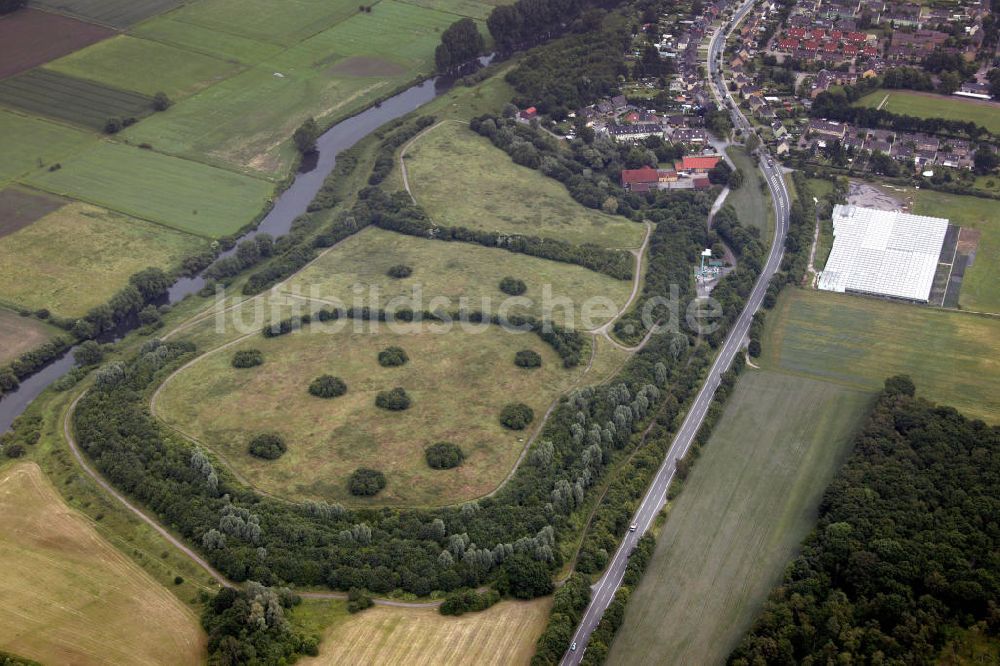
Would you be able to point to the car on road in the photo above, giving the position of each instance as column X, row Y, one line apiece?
column 633, row 527
column 572, row 647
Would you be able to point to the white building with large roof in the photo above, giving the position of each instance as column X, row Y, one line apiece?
column 885, row 253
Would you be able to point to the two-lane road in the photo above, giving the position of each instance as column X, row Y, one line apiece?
column 604, row 590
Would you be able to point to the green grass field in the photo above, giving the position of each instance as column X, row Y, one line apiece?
column 191, row 197
column 858, row 342
column 750, row 500
column 31, row 143
column 145, row 66
column 820, row 188
column 752, row 206
column 197, row 39
column 116, row 13
column 475, row 9
column 20, row 334
column 70, row 597
column 78, row 256
column 981, row 285
column 70, row 99
column 246, row 121
column 458, row 382
column 929, row 105
column 462, row 180
column 455, row 271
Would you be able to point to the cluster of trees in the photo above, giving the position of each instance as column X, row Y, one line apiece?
column 385, row 158
column 24, row 432
column 568, row 605
column 305, row 136
column 400, row 214
column 513, row 286
column 468, row 601
column 267, row 445
column 249, row 252
column 399, row 271
column 529, row 21
column 247, row 358
column 900, row 555
column 395, row 399
column 327, row 386
column 571, row 72
column 516, row 416
column 248, row 626
column 331, row 192
column 365, row 482
column 392, row 357
column 835, row 105
column 444, row 455
column 528, row 358
column 460, row 43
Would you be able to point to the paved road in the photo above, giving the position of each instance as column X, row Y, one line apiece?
column 604, row 590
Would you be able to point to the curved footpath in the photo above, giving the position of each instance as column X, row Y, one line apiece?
column 604, row 590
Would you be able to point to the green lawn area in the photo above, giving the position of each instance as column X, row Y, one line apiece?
column 246, row 122
column 929, row 105
column 461, row 179
column 145, row 66
column 456, row 272
column 981, row 285
column 858, row 342
column 752, row 206
column 181, row 194
column 750, row 500
column 30, row 143
column 78, row 256
column 821, row 188
column 19, row 334
column 195, row 38
column 458, row 382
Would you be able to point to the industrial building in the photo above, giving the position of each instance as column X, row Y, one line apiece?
column 883, row 253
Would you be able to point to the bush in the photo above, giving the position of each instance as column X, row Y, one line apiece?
column 358, row 600
column 365, row 482
column 161, row 102
column 468, row 601
column 391, row 357
column 513, row 286
column 516, row 416
column 526, row 358
column 327, row 386
column 268, row 446
column 395, row 400
column 247, row 358
column 444, row 455
column 399, row 271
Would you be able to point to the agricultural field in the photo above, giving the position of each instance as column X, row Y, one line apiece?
column 858, row 342
column 70, row 99
column 19, row 334
column 244, row 122
column 70, row 597
column 32, row 143
column 145, row 66
column 458, row 382
column 929, row 105
column 197, row 39
column 191, row 197
column 753, row 207
column 750, row 500
column 115, row 13
column 475, row 9
column 981, row 284
column 503, row 634
column 72, row 256
column 31, row 38
column 461, row 179
column 454, row 271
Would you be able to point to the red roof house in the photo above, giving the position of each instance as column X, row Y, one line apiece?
column 699, row 164
column 529, row 113
column 701, row 183
column 643, row 176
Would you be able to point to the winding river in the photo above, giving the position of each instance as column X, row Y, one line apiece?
column 289, row 205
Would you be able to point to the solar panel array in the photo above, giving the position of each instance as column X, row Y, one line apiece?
column 888, row 253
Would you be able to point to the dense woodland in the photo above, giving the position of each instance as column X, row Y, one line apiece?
column 905, row 551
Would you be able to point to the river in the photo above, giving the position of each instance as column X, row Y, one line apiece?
column 290, row 204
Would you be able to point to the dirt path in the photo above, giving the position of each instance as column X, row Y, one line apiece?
column 408, row 144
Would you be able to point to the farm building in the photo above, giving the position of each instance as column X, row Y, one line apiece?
column 884, row 253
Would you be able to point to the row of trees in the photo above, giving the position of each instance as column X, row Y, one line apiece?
column 904, row 549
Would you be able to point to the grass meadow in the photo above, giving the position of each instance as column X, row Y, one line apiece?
column 753, row 207
column 820, row 188
column 79, row 255
column 70, row 597
column 458, row 382
column 145, row 66
column 191, row 197
column 20, row 334
column 32, row 143
column 501, row 635
column 115, row 13
column 929, row 105
column 750, row 500
column 70, row 99
column 199, row 39
column 858, row 342
column 454, row 271
column 461, row 179
column 981, row 285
